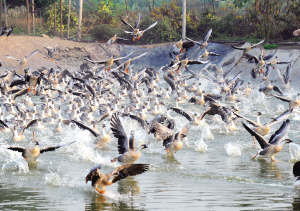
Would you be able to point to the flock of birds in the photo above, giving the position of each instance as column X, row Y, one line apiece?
column 113, row 91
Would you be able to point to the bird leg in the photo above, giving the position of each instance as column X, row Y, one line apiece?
column 108, row 69
column 126, row 70
column 105, row 69
column 29, row 88
column 34, row 89
column 167, row 150
column 113, row 160
column 261, row 71
column 139, row 37
column 181, row 50
column 273, row 67
column 254, row 140
column 274, row 160
column 100, row 191
column 255, row 156
column 52, row 60
column 133, row 38
column 6, row 38
column 172, row 72
column 178, row 70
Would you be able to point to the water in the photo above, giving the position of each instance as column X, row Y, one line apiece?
column 213, row 171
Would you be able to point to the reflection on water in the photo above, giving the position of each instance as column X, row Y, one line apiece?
column 269, row 170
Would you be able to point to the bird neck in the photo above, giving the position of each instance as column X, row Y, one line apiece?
column 258, row 120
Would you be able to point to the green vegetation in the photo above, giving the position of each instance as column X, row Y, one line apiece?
column 270, row 46
column 234, row 20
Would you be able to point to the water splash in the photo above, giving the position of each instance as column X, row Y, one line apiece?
column 294, row 151
column 202, row 146
column 53, row 179
column 233, row 150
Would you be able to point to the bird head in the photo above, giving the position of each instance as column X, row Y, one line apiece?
column 258, row 113
column 288, row 141
column 143, row 146
column 36, row 143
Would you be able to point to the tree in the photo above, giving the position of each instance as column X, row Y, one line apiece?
column 0, row 14
column 28, row 17
column 54, row 17
column 61, row 32
column 69, row 18
column 79, row 20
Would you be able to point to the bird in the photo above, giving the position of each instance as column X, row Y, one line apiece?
column 101, row 139
column 206, row 54
column 114, row 39
column 248, row 48
column 100, row 180
column 19, row 136
column 268, row 87
column 135, row 29
column 23, row 62
column 126, row 64
column 7, row 31
column 204, row 44
column 171, row 141
column 275, row 61
column 275, row 144
column 292, row 103
column 127, row 152
column 51, row 51
column 136, row 32
column 285, row 78
column 296, row 33
column 108, row 63
column 296, row 171
column 31, row 154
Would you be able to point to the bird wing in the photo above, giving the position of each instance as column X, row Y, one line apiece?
column 108, row 42
column 81, row 125
column 268, row 57
column 276, row 88
column 187, row 44
column 93, row 175
column 16, row 83
column 127, row 170
column 10, row 57
column 126, row 23
column 207, row 35
column 52, row 148
column 281, row 117
column 287, row 74
column 140, row 120
column 184, row 132
column 170, row 82
column 139, row 56
column 103, row 117
column 119, row 133
column 30, row 123
column 115, row 60
column 248, row 120
column 239, row 48
column 97, row 62
column 214, row 54
column 277, row 137
column 269, row 69
column 18, row 149
column 151, row 26
column 228, row 62
column 282, row 98
column 137, row 22
column 198, row 43
column 162, row 131
column 33, row 53
column 253, row 45
column 196, row 62
column 262, row 142
column 183, row 113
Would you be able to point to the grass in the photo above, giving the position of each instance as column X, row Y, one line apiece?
column 270, row 46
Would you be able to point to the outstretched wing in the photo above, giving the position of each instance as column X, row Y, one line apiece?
column 119, row 133
column 151, row 26
column 52, row 148
column 128, row 170
column 33, row 53
column 262, row 142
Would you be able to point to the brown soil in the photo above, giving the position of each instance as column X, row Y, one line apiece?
column 71, row 54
